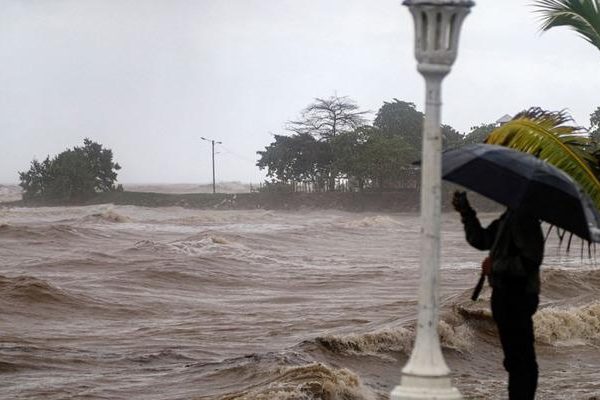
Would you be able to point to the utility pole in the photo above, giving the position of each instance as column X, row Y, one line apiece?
column 213, row 159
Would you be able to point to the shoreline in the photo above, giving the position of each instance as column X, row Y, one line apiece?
column 405, row 200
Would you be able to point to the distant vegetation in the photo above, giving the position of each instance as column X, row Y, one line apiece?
column 331, row 141
column 73, row 175
column 332, row 147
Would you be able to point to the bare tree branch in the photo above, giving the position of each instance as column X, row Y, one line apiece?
column 326, row 118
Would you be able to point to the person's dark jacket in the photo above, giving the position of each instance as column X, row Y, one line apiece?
column 516, row 245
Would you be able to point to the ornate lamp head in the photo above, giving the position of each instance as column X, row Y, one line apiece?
column 437, row 28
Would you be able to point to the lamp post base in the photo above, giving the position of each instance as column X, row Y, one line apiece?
column 425, row 388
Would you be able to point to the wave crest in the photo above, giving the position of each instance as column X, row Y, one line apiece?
column 32, row 290
column 455, row 337
column 35, row 233
column 108, row 216
column 188, row 247
column 377, row 220
column 19, row 232
column 308, row 382
column 369, row 343
column 575, row 325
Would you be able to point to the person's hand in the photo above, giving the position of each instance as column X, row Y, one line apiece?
column 461, row 203
column 486, row 266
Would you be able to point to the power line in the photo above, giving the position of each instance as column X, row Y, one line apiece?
column 238, row 155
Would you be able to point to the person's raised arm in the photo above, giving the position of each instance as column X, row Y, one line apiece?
column 477, row 236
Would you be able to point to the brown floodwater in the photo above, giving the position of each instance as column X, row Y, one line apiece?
column 124, row 302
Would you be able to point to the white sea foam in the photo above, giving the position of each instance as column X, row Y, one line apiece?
column 568, row 326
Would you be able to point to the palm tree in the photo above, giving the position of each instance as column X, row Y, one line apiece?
column 545, row 134
column 548, row 136
column 583, row 16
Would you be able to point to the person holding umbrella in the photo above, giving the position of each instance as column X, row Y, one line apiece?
column 516, row 248
column 532, row 190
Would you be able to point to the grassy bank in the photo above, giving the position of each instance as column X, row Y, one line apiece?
column 398, row 201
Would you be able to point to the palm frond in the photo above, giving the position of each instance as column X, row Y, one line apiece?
column 547, row 136
column 583, row 16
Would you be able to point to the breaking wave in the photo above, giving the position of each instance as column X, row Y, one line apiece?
column 559, row 324
column 107, row 216
column 398, row 340
column 186, row 247
column 568, row 326
column 308, row 382
column 401, row 340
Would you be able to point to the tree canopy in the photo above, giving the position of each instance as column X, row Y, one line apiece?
column 479, row 133
column 401, row 118
column 451, row 138
column 380, row 156
column 595, row 126
column 74, row 174
column 328, row 148
column 370, row 157
column 298, row 158
column 326, row 118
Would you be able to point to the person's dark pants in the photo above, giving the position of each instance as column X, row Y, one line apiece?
column 513, row 310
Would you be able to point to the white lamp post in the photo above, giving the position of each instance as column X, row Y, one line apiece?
column 437, row 28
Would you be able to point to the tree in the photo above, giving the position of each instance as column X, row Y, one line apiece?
column 348, row 155
column 385, row 158
column 299, row 158
column 595, row 126
column 479, row 133
column 583, row 16
column 326, row 118
column 451, row 138
column 326, row 145
column 71, row 175
column 101, row 165
column 400, row 118
column 369, row 157
column 35, row 182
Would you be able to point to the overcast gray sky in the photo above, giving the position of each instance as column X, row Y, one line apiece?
column 147, row 78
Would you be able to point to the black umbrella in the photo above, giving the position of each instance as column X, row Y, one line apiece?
column 520, row 180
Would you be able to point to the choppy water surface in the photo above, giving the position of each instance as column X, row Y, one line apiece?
column 119, row 302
